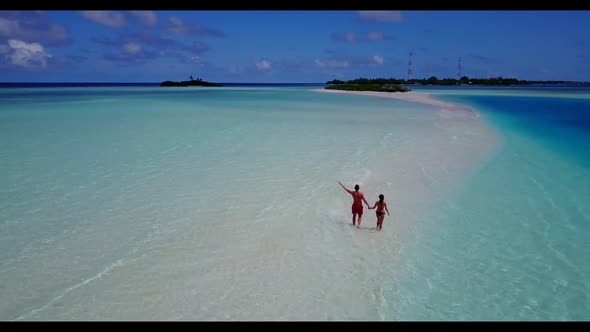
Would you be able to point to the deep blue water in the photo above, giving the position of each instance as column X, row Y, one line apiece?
column 562, row 124
column 88, row 85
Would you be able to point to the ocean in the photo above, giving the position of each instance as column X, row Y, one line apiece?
column 149, row 203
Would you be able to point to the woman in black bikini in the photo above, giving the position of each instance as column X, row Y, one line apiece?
column 381, row 206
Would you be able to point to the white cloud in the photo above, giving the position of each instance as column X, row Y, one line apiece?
column 380, row 15
column 8, row 27
column 375, row 35
column 264, row 65
column 347, row 37
column 175, row 21
column 350, row 37
column 196, row 60
column 235, row 70
column 378, row 59
column 132, row 48
column 31, row 27
column 178, row 27
column 146, row 17
column 27, row 55
column 107, row 18
column 332, row 63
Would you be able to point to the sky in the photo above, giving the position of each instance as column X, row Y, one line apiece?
column 291, row 46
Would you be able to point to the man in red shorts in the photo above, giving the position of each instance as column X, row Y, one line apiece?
column 357, row 205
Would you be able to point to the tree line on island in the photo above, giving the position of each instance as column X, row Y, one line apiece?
column 192, row 82
column 396, row 85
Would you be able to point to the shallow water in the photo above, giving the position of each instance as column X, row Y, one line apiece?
column 143, row 203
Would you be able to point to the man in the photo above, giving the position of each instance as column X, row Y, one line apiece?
column 357, row 205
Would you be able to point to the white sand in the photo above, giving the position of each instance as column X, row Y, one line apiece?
column 433, row 162
column 416, row 97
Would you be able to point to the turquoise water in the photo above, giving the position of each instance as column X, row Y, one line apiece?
column 513, row 244
column 141, row 203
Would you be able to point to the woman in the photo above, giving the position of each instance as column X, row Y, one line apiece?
column 381, row 208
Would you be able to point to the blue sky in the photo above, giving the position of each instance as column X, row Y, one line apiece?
column 290, row 46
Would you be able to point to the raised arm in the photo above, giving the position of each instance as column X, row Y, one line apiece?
column 348, row 190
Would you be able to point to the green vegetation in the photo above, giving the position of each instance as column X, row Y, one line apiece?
column 192, row 82
column 365, row 84
column 368, row 87
column 445, row 81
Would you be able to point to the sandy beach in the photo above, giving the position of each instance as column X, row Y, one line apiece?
column 432, row 161
column 416, row 97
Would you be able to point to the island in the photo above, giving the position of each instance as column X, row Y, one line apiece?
column 191, row 82
column 363, row 84
column 394, row 84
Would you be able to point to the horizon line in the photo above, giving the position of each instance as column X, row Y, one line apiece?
column 79, row 82
column 403, row 79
